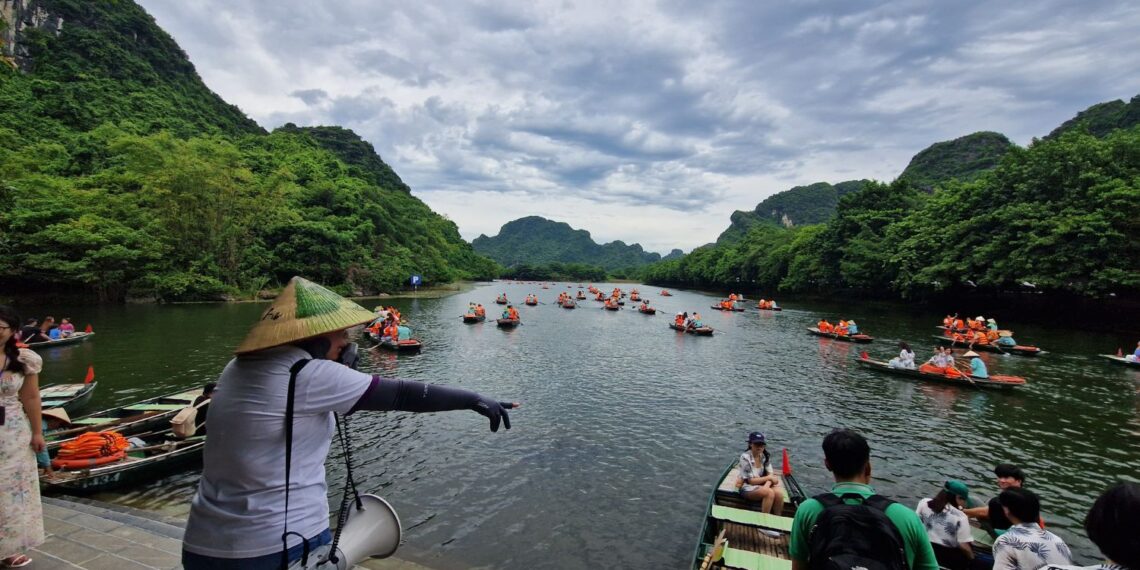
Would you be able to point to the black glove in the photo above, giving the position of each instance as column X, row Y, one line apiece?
column 494, row 410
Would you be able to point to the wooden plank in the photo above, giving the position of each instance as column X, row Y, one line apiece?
column 734, row 558
column 154, row 407
column 753, row 518
column 61, row 391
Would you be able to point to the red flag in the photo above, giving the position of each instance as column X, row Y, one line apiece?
column 90, row 375
column 863, row 355
column 787, row 464
column 88, row 329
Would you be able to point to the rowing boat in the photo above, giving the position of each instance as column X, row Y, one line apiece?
column 501, row 301
column 1018, row 349
column 755, row 540
column 1120, row 360
column 994, row 381
column 647, row 310
column 699, row 331
column 568, row 304
column 472, row 319
column 70, row 397
column 770, row 308
column 507, row 323
column 531, row 303
column 612, row 307
column 73, row 339
column 720, row 308
column 140, row 417
column 160, row 454
column 405, row 345
column 859, row 338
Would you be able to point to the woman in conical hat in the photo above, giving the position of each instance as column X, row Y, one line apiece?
column 238, row 517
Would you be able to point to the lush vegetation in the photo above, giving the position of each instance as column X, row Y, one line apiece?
column 1103, row 118
column 798, row 206
column 557, row 271
column 122, row 175
column 536, row 241
column 1062, row 216
column 963, row 159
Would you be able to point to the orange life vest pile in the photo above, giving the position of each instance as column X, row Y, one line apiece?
column 91, row 446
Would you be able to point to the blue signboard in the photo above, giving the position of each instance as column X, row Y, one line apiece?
column 416, row 280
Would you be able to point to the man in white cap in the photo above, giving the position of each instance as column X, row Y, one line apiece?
column 296, row 361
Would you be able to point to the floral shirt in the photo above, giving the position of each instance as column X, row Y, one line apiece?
column 749, row 469
column 949, row 528
column 1027, row 546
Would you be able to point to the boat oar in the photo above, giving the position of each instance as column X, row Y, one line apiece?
column 717, row 551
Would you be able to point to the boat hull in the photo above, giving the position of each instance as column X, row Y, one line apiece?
column 73, row 339
column 70, row 397
column 994, row 382
column 508, row 323
column 1120, row 360
column 857, row 338
column 1018, row 350
column 702, row 331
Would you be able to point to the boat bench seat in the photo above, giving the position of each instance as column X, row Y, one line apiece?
column 91, row 421
column 154, row 407
column 763, row 520
column 734, row 558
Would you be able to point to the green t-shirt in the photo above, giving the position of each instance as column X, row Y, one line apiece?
column 919, row 554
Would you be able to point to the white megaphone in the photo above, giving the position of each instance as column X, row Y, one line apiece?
column 372, row 531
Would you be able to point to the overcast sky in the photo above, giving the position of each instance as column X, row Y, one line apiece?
column 651, row 122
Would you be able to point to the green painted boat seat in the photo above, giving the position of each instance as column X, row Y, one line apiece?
column 734, row 558
column 61, row 391
column 753, row 518
column 154, row 407
column 92, row 421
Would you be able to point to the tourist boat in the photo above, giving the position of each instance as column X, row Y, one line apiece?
column 755, row 540
column 612, row 307
column 720, row 308
column 1018, row 349
column 406, row 345
column 580, row 296
column 70, row 397
column 501, row 301
column 769, row 308
column 700, row 331
column 73, row 339
column 508, row 323
column 665, row 293
column 161, row 453
column 147, row 415
column 994, row 381
column 1120, row 360
column 568, row 304
column 530, row 302
column 647, row 310
column 472, row 319
column 859, row 338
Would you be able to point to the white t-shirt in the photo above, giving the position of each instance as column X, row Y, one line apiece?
column 239, row 509
column 949, row 528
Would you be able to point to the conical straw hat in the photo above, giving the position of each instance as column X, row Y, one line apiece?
column 303, row 310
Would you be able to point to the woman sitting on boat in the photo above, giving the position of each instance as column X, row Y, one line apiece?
column 824, row 326
column 66, row 328
column 947, row 526
column 905, row 358
column 841, row 328
column 679, row 320
column 941, row 363
column 757, row 481
column 695, row 322
column 852, row 328
column 977, row 367
column 1005, row 338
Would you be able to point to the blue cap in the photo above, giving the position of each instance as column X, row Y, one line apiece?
column 756, row 437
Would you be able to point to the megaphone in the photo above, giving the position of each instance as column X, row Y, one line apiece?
column 372, row 531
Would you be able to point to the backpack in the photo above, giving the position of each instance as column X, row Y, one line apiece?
column 859, row 536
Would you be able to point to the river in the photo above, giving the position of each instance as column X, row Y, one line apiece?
column 626, row 424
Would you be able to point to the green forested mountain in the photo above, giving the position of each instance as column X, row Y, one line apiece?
column 121, row 174
column 798, row 206
column 1061, row 216
column 964, row 158
column 1103, row 118
column 535, row 240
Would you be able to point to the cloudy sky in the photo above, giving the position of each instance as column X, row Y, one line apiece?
column 651, row 122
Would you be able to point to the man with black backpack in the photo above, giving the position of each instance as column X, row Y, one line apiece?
column 852, row 527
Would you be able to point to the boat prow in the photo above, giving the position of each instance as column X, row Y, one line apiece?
column 1120, row 360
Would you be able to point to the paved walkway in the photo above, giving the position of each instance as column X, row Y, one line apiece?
column 100, row 536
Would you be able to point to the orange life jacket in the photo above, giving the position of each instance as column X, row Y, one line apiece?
column 679, row 320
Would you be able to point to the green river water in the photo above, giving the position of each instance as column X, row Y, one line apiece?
column 625, row 424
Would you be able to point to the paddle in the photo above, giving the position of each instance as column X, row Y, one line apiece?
column 717, row 551
column 965, row 373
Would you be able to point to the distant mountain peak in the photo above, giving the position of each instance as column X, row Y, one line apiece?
column 963, row 158
column 535, row 240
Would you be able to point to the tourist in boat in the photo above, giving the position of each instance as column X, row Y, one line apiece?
column 824, row 326
column 1111, row 525
column 758, row 483
column 51, row 420
column 959, row 324
column 905, row 359
column 238, row 514
column 852, row 328
column 991, row 324
column 679, row 320
column 202, row 403
column 1026, row 544
column 31, row 332
column 66, row 328
column 977, row 366
column 49, row 322
column 695, row 322
column 948, row 322
column 947, row 526
column 841, row 328
column 480, row 311
column 21, row 438
column 512, row 313
column 54, row 333
column 1008, row 477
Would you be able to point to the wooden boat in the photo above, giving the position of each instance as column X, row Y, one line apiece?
column 1018, row 349
column 994, row 381
column 147, row 415
column 508, row 323
column 568, row 304
column 580, row 296
column 161, row 454
column 755, row 540
column 1120, row 360
column 70, row 397
column 612, row 307
column 406, row 345
column 647, row 310
column 665, row 293
column 73, row 339
column 700, row 331
column 720, row 308
column 501, row 301
column 859, row 338
column 472, row 319
column 531, row 303
column 770, row 308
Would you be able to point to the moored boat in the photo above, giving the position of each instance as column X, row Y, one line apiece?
column 471, row 319
column 70, row 397
column 1120, row 360
column 720, row 308
column 994, row 381
column 508, row 323
column 699, row 331
column 1017, row 349
column 73, row 339
column 755, row 540
column 859, row 338
column 148, row 415
column 160, row 454
column 406, row 345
